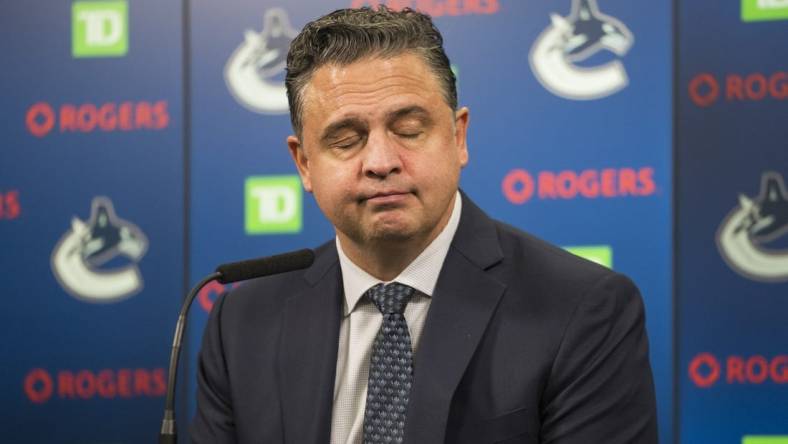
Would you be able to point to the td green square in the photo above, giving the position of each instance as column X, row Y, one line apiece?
column 99, row 29
column 783, row 439
column 763, row 10
column 601, row 254
column 274, row 204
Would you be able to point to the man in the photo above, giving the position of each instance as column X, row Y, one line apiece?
column 424, row 321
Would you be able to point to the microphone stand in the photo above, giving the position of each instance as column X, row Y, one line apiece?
column 169, row 433
column 225, row 274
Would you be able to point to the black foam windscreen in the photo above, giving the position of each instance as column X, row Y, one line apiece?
column 265, row 266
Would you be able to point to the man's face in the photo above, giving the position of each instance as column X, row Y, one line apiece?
column 381, row 150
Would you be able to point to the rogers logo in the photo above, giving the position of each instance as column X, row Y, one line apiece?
column 704, row 89
column 437, row 8
column 42, row 118
column 40, row 386
column 10, row 207
column 210, row 292
column 705, row 370
column 519, row 186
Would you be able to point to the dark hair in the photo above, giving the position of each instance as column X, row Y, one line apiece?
column 347, row 35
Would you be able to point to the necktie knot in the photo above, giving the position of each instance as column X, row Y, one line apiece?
column 390, row 298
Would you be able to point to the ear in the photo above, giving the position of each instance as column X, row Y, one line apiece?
column 301, row 161
column 461, row 119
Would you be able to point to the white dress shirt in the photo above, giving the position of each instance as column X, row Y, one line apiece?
column 361, row 321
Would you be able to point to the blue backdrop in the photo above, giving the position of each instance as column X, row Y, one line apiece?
column 89, row 305
column 144, row 143
column 732, row 256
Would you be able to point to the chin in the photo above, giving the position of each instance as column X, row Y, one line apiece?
column 391, row 233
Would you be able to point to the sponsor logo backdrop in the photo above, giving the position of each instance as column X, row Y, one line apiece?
column 732, row 208
column 571, row 140
column 91, row 217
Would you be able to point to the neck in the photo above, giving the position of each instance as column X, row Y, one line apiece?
column 385, row 259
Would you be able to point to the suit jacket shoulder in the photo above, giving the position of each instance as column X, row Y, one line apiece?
column 265, row 346
column 566, row 342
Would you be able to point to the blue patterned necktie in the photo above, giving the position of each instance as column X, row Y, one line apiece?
column 391, row 367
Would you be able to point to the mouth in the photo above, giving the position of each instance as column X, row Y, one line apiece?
column 389, row 197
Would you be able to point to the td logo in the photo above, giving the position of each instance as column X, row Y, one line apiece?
column 99, row 29
column 273, row 204
column 601, row 254
column 760, row 10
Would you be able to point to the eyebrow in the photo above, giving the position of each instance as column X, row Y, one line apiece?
column 414, row 110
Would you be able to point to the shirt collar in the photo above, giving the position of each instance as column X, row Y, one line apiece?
column 421, row 274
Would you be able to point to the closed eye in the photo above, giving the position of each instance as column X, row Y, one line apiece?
column 409, row 134
column 409, row 128
column 346, row 142
column 410, row 122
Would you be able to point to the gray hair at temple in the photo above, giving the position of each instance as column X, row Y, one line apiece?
column 348, row 35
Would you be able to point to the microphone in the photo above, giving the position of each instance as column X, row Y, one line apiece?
column 265, row 266
column 225, row 274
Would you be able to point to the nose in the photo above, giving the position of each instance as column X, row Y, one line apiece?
column 381, row 157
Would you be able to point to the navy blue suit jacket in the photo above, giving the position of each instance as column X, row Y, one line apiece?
column 523, row 343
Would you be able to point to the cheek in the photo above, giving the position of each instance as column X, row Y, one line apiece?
column 331, row 182
column 439, row 169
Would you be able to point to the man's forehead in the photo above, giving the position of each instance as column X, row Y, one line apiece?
column 405, row 69
column 366, row 83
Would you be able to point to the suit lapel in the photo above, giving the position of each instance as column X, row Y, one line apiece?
column 464, row 300
column 308, row 352
column 463, row 303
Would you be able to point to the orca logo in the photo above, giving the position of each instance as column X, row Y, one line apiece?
column 575, row 38
column 753, row 223
column 78, row 256
column 255, row 71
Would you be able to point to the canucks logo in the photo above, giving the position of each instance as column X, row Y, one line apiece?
column 556, row 53
column 255, row 71
column 79, row 260
column 744, row 236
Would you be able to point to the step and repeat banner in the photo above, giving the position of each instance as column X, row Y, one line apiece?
column 91, row 217
column 144, row 143
column 732, row 231
column 570, row 135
